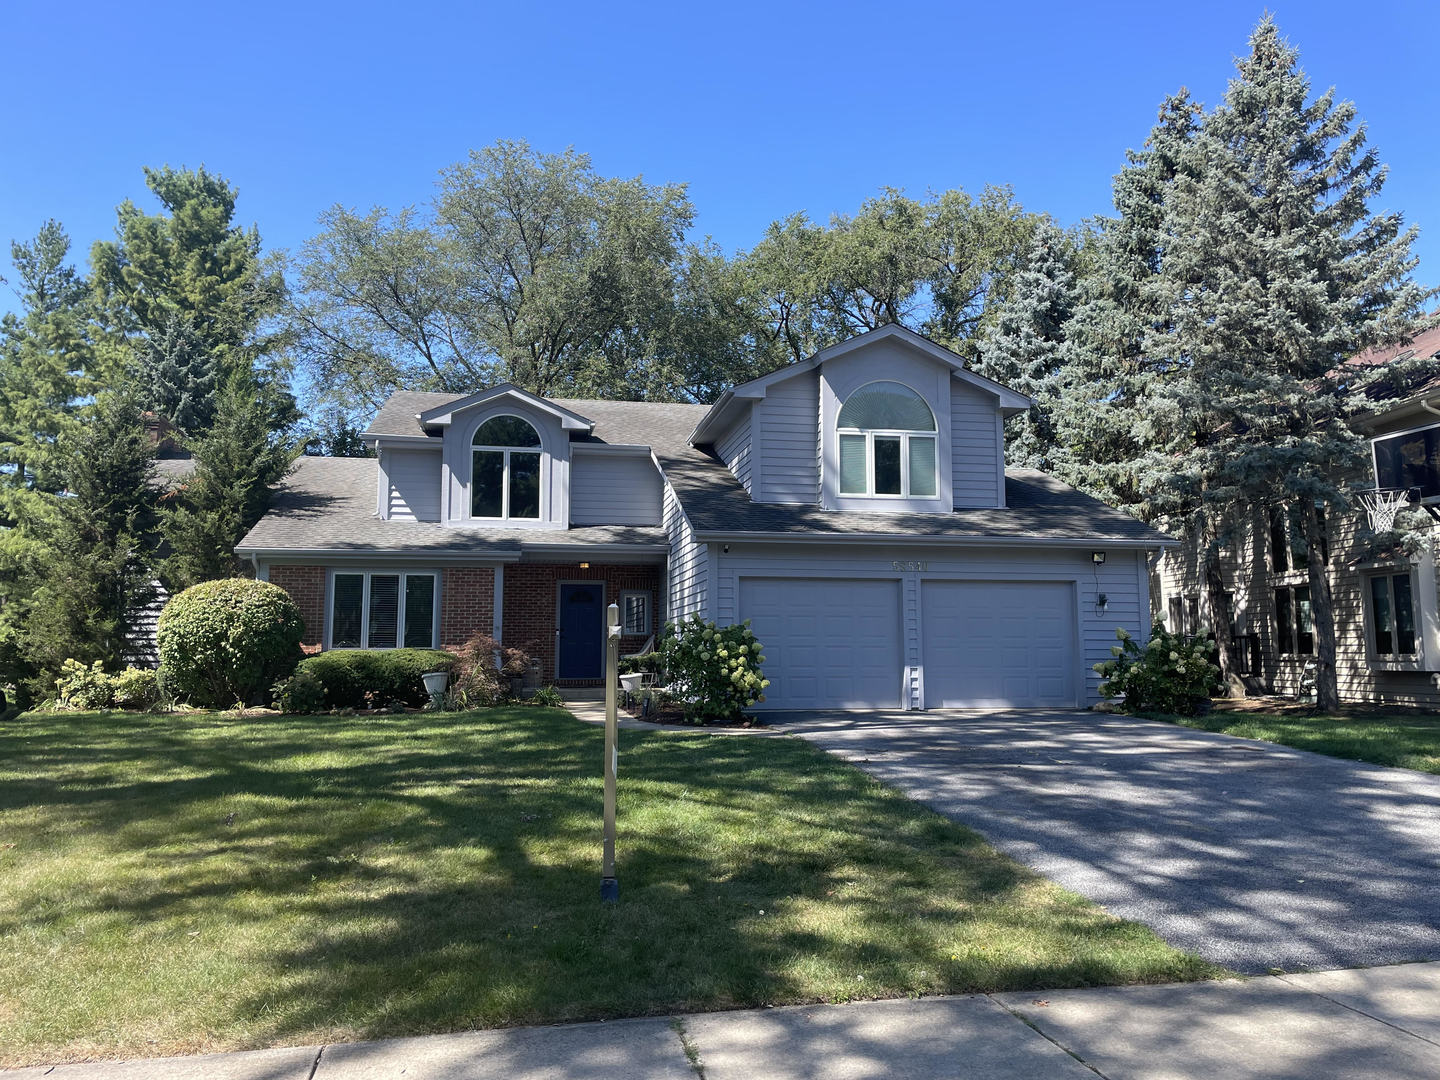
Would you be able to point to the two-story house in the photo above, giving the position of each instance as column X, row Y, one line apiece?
column 1387, row 610
column 855, row 507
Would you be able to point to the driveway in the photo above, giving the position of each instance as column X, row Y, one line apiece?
column 1253, row 855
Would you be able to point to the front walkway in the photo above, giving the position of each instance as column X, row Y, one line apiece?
column 1255, row 856
column 1369, row 1023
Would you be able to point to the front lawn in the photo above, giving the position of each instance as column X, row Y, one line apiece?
column 176, row 884
column 1409, row 740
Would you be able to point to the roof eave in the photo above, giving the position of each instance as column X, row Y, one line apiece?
column 1154, row 543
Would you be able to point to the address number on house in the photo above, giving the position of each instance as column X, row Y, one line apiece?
column 909, row 564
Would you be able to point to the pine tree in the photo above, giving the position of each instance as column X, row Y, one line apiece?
column 1024, row 347
column 176, row 375
column 90, row 568
column 1274, row 272
column 238, row 462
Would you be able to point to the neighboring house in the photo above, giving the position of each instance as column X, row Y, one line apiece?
column 1387, row 614
column 855, row 506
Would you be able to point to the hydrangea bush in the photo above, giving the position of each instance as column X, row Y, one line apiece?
column 1171, row 673
column 716, row 670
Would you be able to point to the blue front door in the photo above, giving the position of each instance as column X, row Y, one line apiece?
column 582, row 631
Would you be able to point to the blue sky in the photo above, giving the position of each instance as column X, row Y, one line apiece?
column 763, row 109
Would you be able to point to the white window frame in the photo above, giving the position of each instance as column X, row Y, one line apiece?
column 869, row 435
column 433, row 575
column 643, row 594
column 1372, row 627
column 538, row 450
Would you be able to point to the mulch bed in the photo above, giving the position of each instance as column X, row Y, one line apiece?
column 675, row 714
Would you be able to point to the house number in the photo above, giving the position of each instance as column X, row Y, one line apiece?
column 909, row 564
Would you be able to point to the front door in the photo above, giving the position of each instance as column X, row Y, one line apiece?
column 581, row 645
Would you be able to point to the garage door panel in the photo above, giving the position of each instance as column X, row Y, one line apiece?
column 998, row 644
column 829, row 643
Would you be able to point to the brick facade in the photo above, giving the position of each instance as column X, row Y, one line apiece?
column 467, row 604
column 306, row 586
column 531, row 598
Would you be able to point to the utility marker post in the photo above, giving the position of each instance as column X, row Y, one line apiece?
column 609, row 886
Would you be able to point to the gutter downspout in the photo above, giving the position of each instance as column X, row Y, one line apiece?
column 1428, row 407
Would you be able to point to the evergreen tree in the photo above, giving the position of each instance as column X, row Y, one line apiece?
column 1024, row 347
column 1274, row 271
column 337, row 437
column 181, row 295
column 90, row 567
column 238, row 462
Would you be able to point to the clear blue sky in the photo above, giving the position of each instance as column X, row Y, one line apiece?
column 763, row 109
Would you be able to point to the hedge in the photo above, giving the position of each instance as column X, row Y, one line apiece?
column 360, row 678
column 227, row 641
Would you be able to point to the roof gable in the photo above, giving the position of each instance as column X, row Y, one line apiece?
column 442, row 415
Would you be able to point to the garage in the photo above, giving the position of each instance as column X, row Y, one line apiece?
column 998, row 644
column 829, row 643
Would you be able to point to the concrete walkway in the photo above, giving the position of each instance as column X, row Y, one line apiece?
column 1360, row 1024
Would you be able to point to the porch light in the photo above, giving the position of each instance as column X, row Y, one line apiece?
column 1098, row 558
column 584, row 566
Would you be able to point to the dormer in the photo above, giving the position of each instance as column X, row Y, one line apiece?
column 505, row 459
column 885, row 422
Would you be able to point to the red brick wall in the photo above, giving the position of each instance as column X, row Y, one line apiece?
column 467, row 604
column 306, row 586
column 530, row 596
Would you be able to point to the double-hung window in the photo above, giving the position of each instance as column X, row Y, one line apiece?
column 372, row 610
column 1392, row 616
column 505, row 476
column 886, row 435
column 1294, row 623
column 635, row 613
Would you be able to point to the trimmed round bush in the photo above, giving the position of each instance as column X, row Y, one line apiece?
column 228, row 641
column 361, row 678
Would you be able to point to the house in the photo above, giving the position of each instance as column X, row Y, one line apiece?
column 855, row 506
column 1387, row 615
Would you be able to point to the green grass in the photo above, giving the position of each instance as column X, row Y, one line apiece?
column 1408, row 741
column 173, row 884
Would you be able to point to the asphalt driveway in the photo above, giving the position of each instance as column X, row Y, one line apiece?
column 1253, row 855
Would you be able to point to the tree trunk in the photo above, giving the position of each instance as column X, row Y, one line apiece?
column 1322, row 614
column 1219, row 618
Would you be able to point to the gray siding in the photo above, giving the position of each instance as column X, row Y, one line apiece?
column 976, row 447
column 614, row 489
column 1252, row 582
column 413, row 482
column 735, row 450
column 787, row 424
column 689, row 564
column 1121, row 579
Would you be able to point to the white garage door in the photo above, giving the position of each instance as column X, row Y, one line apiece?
column 829, row 644
column 998, row 644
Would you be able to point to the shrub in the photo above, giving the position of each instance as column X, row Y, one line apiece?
column 135, row 688
column 227, row 641
column 300, row 693
column 1172, row 673
column 361, row 678
column 716, row 669
column 84, row 689
column 547, row 696
column 482, row 673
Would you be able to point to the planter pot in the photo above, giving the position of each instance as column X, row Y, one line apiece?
column 631, row 683
column 435, row 682
column 517, row 684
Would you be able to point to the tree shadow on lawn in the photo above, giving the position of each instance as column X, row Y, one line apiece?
column 391, row 875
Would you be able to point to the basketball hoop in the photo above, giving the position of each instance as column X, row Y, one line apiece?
column 1381, row 506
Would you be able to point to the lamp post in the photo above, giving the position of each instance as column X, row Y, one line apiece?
column 609, row 886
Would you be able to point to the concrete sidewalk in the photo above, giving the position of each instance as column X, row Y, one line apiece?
column 1362, row 1023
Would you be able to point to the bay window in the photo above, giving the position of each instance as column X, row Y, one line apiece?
column 886, row 436
column 374, row 610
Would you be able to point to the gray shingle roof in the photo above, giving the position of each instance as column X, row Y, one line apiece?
column 329, row 503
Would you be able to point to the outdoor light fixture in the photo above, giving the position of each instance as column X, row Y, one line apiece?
column 1101, row 603
column 1098, row 558
column 584, row 566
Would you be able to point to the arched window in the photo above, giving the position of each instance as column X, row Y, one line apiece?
column 505, row 478
column 887, row 443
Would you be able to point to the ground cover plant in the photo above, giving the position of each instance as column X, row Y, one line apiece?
column 189, row 882
column 1406, row 739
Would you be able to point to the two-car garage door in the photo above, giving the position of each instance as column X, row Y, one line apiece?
column 839, row 643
